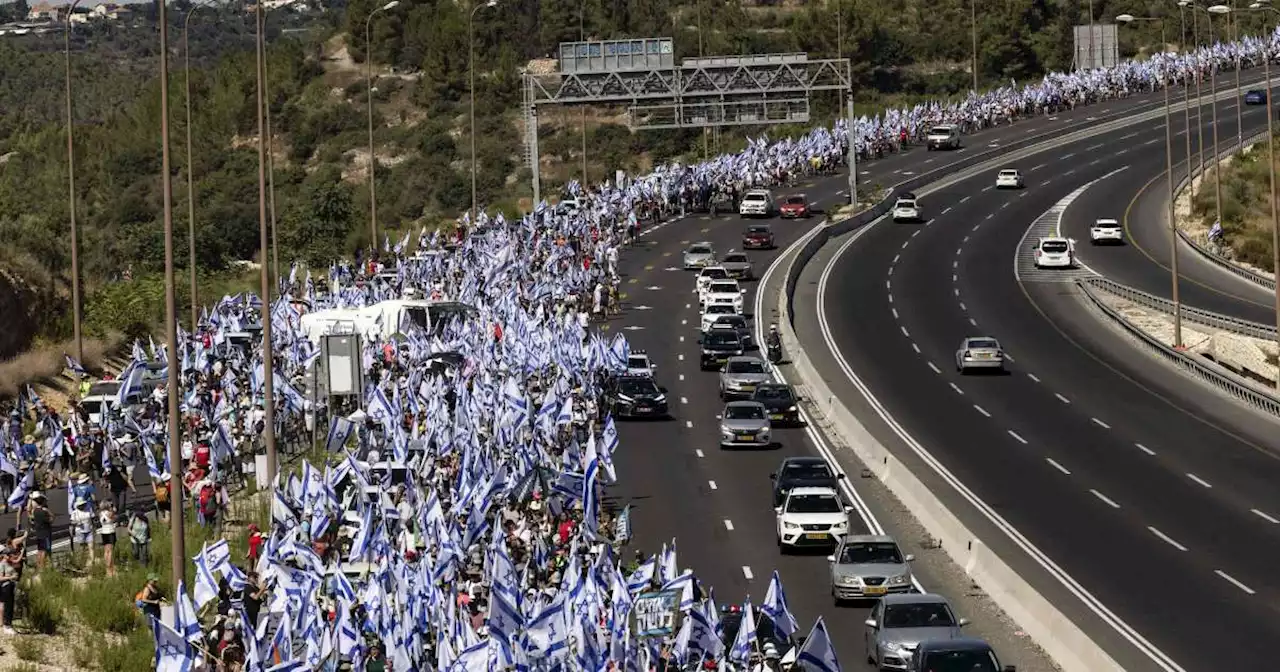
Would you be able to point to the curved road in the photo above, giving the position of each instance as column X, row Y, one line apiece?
column 1155, row 496
column 717, row 505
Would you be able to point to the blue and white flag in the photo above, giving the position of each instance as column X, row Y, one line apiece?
column 817, row 654
column 775, row 607
column 173, row 653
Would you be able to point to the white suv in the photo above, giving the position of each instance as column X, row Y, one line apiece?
column 724, row 292
column 906, row 210
column 1009, row 179
column 811, row 516
column 943, row 137
column 1055, row 253
column 756, row 203
column 1106, row 231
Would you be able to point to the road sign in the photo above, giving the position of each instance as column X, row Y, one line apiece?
column 656, row 614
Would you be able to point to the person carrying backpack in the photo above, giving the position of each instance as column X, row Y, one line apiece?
column 208, row 504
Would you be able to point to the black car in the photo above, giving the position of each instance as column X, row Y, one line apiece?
column 637, row 397
column 802, row 472
column 1255, row 97
column 758, row 237
column 735, row 323
column 718, row 346
column 780, row 401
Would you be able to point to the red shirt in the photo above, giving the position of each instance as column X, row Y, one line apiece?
column 566, row 529
column 255, row 545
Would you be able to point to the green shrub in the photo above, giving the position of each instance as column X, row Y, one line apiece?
column 106, row 605
column 24, row 667
column 29, row 649
column 84, row 651
column 134, row 654
column 43, row 608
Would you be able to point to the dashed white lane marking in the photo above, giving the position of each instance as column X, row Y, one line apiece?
column 962, row 307
column 1167, row 539
column 954, row 277
column 976, row 226
column 1004, row 205
column 684, row 322
column 1038, row 167
column 1062, row 398
column 1093, row 147
column 688, row 306
column 1054, row 463
column 1145, row 449
column 698, row 452
column 987, row 188
column 935, row 367
column 904, row 332
column 1100, row 423
column 1126, row 137
column 728, row 524
column 896, row 257
column 1109, row 502
column 1064, row 157
column 895, row 312
column 905, row 243
column 981, row 410
column 958, row 251
column 680, row 357
column 888, row 284
column 915, row 233
column 1199, row 480
column 991, row 215
column 682, row 339
column 973, row 322
column 682, row 376
column 948, row 209
column 688, row 424
column 746, row 571
column 890, row 298
column 1270, row 519
column 1019, row 438
column 956, row 388
column 713, row 485
column 1009, row 357
column 1032, row 376
column 1233, row 581
column 684, row 400
column 1153, row 141
column 955, row 264
column 1069, row 172
column 915, row 347
column 965, row 199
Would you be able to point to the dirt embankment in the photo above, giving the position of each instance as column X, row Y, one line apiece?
column 19, row 306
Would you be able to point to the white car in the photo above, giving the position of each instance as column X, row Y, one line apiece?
column 724, row 292
column 1009, row 179
column 708, row 275
column 1106, row 231
column 638, row 364
column 756, row 203
column 811, row 516
column 943, row 137
column 1055, row 253
column 907, row 210
column 712, row 313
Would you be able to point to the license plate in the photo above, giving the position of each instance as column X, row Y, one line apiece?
column 644, row 409
column 875, row 590
column 775, row 416
column 816, row 535
column 746, row 437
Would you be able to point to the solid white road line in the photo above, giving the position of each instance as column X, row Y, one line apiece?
column 1270, row 519
column 1054, row 463
column 1234, row 582
column 1166, row 539
column 1199, row 480
column 1104, row 498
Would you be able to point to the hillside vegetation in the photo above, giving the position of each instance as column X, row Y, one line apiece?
column 902, row 50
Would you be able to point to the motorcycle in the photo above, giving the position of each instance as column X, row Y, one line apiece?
column 774, row 352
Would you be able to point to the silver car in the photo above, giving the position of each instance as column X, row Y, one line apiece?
column 868, row 567
column 699, row 255
column 738, row 265
column 980, row 353
column 745, row 424
column 898, row 624
column 740, row 377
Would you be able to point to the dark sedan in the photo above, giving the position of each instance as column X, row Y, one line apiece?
column 718, row 346
column 1255, row 97
column 781, row 402
column 637, row 397
column 758, row 237
column 802, row 472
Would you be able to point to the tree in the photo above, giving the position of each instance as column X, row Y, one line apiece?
column 317, row 225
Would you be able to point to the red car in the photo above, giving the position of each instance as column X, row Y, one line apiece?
column 794, row 207
column 757, row 237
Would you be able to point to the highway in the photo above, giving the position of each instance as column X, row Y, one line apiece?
column 717, row 505
column 1156, row 497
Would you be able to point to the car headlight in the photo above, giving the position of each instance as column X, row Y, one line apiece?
column 900, row 579
column 840, row 525
column 792, row 408
column 790, row 526
column 724, row 431
column 625, row 399
column 660, row 399
column 849, row 581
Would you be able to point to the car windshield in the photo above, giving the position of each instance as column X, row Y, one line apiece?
column 637, row 363
column 754, row 197
column 699, row 249
column 1256, row 92
column 871, row 553
column 719, row 309
column 735, row 259
column 940, row 130
column 984, row 343
column 723, row 338
column 107, row 389
column 813, row 504
column 960, row 661
column 1107, row 223
column 91, row 407
column 715, row 273
column 773, row 393
column 723, row 288
column 634, row 386
column 795, row 200
column 906, row 204
column 807, row 472
column 745, row 366
column 920, row 615
column 759, row 230
column 1054, row 246
column 744, row 412
column 729, row 322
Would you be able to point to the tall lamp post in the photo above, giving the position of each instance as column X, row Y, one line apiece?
column 191, row 189
column 1271, row 158
column 373, row 158
column 1195, row 34
column 71, row 195
column 177, row 545
column 1186, row 88
column 268, row 355
column 1168, row 162
column 471, row 66
column 1213, row 105
column 973, row 39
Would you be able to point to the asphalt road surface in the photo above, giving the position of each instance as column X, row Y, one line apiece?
column 1157, row 496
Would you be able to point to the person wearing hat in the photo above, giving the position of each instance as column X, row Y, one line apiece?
column 10, row 558
column 41, row 528
column 149, row 598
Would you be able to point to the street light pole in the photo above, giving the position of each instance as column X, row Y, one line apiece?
column 471, row 66
column 1168, row 162
column 1235, row 39
column 191, row 189
column 582, row 37
column 973, row 39
column 1186, row 92
column 178, row 543
column 1271, row 163
column 268, row 363
column 373, row 158
column 71, row 197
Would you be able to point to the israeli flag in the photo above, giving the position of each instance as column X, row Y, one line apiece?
column 173, row 653
column 817, row 654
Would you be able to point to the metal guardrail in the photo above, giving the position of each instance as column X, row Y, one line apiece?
column 1215, row 375
column 1210, row 255
column 1204, row 317
column 1082, row 128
